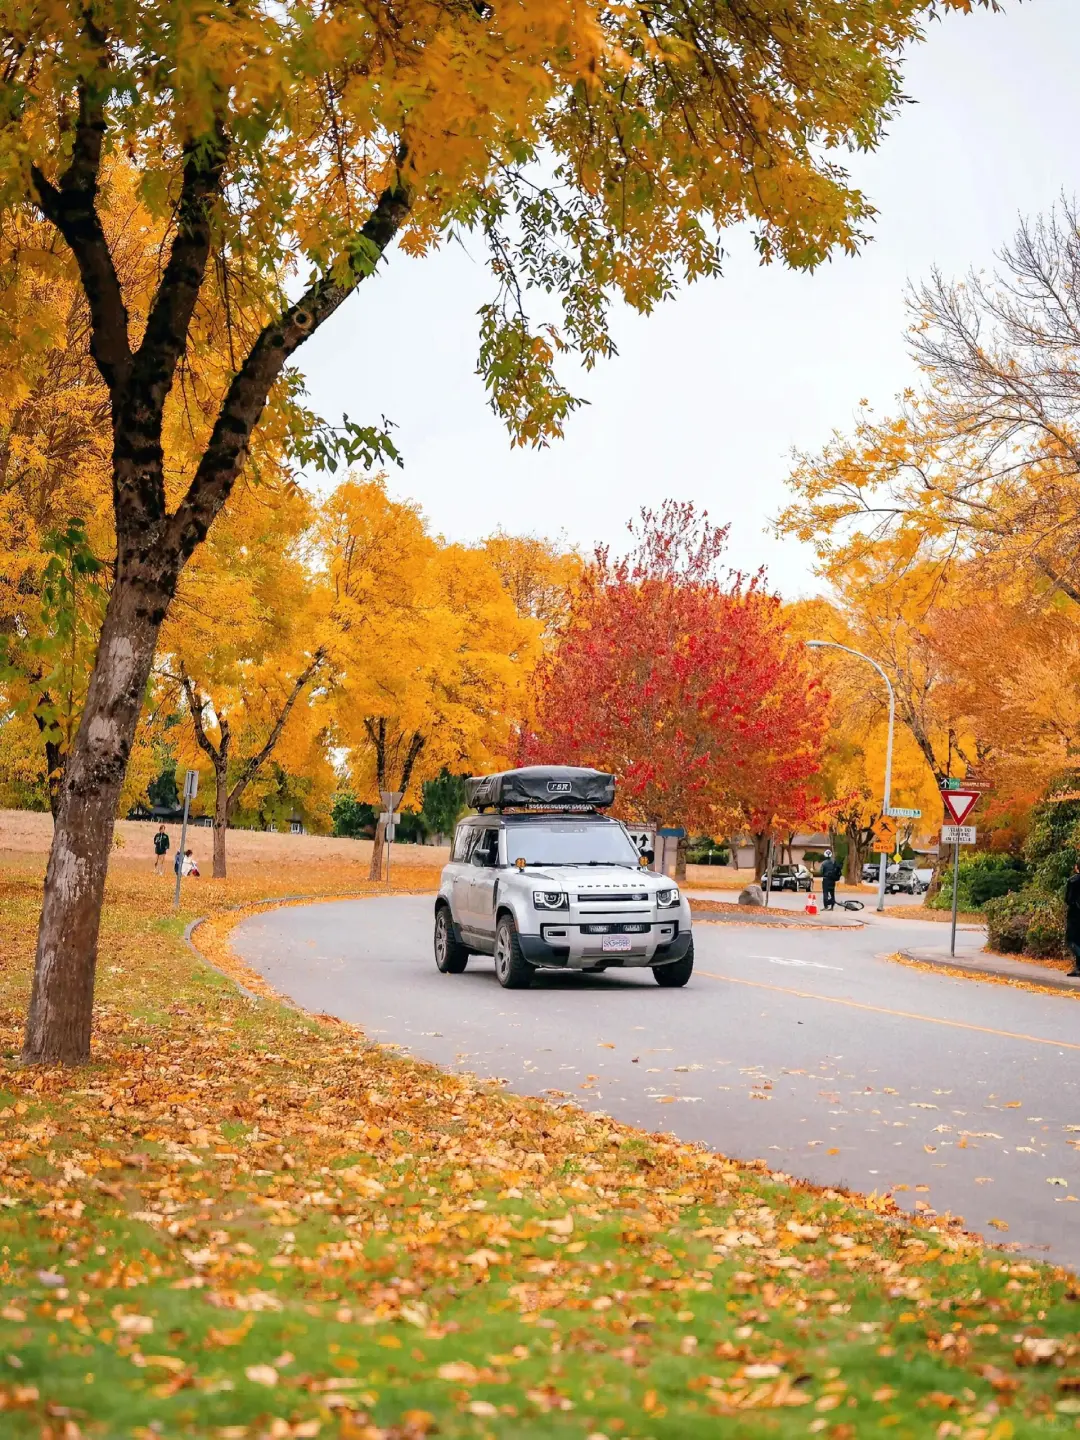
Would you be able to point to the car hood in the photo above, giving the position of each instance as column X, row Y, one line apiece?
column 605, row 879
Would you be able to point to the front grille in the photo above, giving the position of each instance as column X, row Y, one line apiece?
column 592, row 897
column 620, row 929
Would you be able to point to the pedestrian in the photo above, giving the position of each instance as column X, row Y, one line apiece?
column 184, row 864
column 1072, row 919
column 161, row 849
column 830, row 874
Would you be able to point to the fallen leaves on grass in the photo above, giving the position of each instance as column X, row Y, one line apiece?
column 291, row 1216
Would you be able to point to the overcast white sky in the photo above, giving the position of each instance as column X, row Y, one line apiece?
column 708, row 396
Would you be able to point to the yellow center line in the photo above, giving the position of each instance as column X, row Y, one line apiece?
column 884, row 1010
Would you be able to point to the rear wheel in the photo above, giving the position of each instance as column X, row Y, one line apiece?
column 512, row 970
column 450, row 955
column 678, row 972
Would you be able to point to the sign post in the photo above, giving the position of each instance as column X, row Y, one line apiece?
column 191, row 789
column 959, row 803
column 391, row 799
column 768, row 872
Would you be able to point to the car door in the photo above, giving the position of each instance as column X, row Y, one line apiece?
column 461, row 885
column 485, row 879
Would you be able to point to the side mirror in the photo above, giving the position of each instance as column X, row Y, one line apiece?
column 481, row 858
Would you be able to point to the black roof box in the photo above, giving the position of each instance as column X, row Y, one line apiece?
column 542, row 787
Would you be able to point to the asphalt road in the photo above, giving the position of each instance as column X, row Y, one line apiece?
column 807, row 1048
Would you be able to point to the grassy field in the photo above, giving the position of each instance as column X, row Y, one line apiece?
column 244, row 1221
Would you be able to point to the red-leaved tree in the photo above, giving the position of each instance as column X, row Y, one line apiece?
column 685, row 684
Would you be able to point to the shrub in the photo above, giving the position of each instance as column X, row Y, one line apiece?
column 1027, row 923
column 1053, row 843
column 1046, row 930
column 984, row 876
column 1007, row 924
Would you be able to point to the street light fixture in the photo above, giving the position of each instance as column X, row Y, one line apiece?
column 832, row 645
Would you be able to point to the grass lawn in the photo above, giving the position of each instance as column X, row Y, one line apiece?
column 244, row 1221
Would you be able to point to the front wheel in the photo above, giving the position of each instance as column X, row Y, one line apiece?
column 678, row 972
column 512, row 970
column 451, row 957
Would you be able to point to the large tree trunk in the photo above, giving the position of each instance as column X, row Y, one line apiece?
column 221, row 820
column 761, row 853
column 61, row 1002
column 375, row 870
column 855, row 854
column 680, row 859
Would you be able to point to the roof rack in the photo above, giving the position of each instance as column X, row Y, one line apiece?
column 542, row 787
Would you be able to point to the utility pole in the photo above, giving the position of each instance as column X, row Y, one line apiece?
column 191, row 789
column 832, row 645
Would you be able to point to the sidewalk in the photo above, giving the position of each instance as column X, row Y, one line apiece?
column 991, row 966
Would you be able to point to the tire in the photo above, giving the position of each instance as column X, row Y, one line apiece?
column 512, row 970
column 451, row 957
column 677, row 972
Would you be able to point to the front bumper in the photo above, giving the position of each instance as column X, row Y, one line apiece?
column 574, row 950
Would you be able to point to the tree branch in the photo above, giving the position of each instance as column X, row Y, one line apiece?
column 196, row 707
column 251, row 386
column 416, row 744
column 166, row 333
column 72, row 208
column 251, row 767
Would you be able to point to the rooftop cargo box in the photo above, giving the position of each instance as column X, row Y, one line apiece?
column 542, row 787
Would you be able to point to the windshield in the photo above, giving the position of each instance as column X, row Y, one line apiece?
column 566, row 842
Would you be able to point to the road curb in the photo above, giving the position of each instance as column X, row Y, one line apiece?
column 1052, row 979
column 189, row 931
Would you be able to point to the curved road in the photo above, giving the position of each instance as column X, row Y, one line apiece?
column 807, row 1048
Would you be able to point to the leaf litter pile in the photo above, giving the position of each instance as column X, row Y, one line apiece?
column 244, row 1221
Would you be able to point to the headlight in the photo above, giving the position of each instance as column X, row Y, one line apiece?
column 667, row 898
column 551, row 900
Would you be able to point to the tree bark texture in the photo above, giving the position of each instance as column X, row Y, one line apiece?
column 61, row 1000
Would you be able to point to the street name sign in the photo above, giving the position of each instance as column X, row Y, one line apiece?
column 960, row 803
column 958, row 834
column 895, row 813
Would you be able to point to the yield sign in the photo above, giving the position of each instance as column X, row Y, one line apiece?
column 960, row 803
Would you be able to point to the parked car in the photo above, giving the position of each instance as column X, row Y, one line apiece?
column 907, row 879
column 871, row 870
column 788, row 877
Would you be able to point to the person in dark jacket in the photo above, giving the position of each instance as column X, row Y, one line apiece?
column 161, row 849
column 830, row 874
column 1072, row 919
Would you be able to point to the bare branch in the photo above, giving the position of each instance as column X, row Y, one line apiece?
column 72, row 208
column 250, row 388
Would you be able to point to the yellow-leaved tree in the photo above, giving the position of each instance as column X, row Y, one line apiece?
column 433, row 656
column 284, row 148
column 244, row 647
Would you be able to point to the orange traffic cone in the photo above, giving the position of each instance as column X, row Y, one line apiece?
column 811, row 904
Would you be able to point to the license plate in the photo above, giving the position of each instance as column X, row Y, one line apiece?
column 616, row 942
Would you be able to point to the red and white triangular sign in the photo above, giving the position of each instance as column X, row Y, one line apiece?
column 960, row 803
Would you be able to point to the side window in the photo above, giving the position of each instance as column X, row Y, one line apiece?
column 488, row 847
column 464, row 841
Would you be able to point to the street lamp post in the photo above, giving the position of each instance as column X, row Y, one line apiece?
column 832, row 645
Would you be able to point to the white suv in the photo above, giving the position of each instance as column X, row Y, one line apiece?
column 555, row 883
